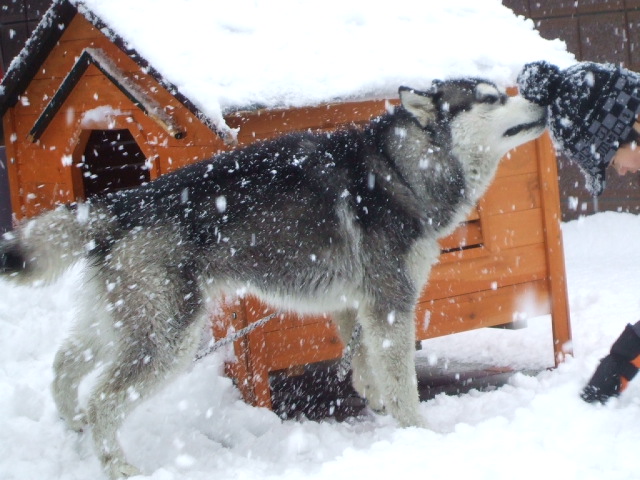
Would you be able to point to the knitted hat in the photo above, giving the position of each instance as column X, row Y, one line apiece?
column 592, row 109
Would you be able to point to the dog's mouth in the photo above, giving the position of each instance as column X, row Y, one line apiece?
column 523, row 127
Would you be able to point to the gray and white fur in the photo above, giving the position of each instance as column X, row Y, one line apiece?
column 345, row 223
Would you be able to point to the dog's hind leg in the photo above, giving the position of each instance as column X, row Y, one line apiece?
column 157, row 312
column 139, row 370
column 79, row 354
column 72, row 363
column 364, row 381
column 143, row 364
column 362, row 377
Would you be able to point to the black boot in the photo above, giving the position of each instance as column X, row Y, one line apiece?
column 615, row 370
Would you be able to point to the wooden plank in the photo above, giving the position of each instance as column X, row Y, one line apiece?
column 89, row 59
column 43, row 180
column 76, row 38
column 307, row 343
column 13, row 169
column 514, row 229
column 263, row 124
column 80, row 29
column 455, row 256
column 36, row 96
column 266, row 123
column 518, row 161
column 20, row 126
column 481, row 309
column 512, row 193
column 197, row 133
column 47, row 169
column 292, row 320
column 96, row 90
column 39, row 197
column 258, row 360
column 467, row 234
column 561, row 324
column 507, row 267
column 231, row 316
column 173, row 158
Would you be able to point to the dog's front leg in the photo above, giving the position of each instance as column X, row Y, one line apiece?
column 388, row 338
column 362, row 377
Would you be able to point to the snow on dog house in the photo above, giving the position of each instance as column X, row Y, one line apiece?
column 108, row 94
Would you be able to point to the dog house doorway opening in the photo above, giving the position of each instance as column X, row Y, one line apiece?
column 108, row 161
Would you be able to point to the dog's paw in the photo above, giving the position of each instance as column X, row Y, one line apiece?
column 411, row 420
column 376, row 404
column 78, row 422
column 421, row 423
column 119, row 469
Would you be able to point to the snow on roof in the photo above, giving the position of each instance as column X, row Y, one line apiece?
column 238, row 54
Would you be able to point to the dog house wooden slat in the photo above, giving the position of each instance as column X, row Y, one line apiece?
column 486, row 272
column 527, row 230
column 516, row 192
column 550, row 195
column 486, row 308
column 470, row 234
column 287, row 344
column 46, row 167
column 23, row 124
column 11, row 144
column 263, row 124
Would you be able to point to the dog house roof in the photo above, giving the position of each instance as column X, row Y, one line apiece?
column 217, row 57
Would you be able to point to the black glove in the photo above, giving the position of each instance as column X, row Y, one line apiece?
column 615, row 370
column 608, row 380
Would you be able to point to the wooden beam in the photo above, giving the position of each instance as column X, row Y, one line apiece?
column 12, row 164
column 560, row 318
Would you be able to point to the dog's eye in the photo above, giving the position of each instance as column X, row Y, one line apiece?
column 491, row 99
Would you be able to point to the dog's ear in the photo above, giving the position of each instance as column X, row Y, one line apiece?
column 421, row 105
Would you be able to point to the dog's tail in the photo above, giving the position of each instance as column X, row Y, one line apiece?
column 41, row 249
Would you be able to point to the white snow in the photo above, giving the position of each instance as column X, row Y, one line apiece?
column 535, row 427
column 247, row 53
column 104, row 114
column 234, row 54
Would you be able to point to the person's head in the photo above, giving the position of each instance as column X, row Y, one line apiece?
column 627, row 157
column 592, row 109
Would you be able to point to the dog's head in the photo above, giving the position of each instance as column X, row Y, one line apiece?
column 476, row 114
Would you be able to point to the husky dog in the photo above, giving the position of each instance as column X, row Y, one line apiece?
column 345, row 223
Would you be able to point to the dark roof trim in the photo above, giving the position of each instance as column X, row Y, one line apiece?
column 26, row 65
column 94, row 56
column 55, row 21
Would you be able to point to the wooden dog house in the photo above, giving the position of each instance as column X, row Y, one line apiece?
column 85, row 114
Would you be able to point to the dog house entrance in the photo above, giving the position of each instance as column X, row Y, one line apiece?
column 111, row 161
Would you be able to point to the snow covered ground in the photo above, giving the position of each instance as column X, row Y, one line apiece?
column 535, row 427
